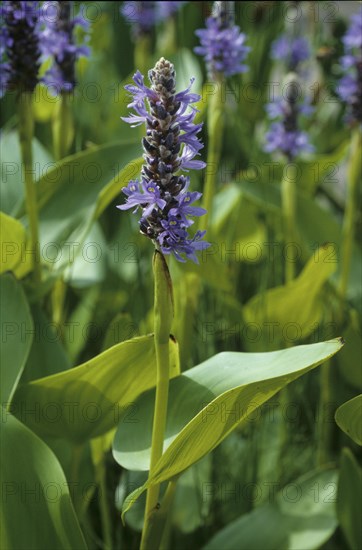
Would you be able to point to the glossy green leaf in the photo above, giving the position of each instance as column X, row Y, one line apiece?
column 349, row 502
column 13, row 246
column 47, row 354
column 349, row 418
column 74, row 194
column 235, row 226
column 290, row 313
column 349, row 362
column 299, row 517
column 12, row 184
column 17, row 334
column 209, row 401
column 88, row 400
column 37, row 511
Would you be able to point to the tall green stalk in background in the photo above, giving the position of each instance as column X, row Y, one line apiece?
column 26, row 130
column 224, row 57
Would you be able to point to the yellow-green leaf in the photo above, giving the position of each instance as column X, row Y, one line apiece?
column 88, row 400
column 291, row 312
column 349, row 418
column 209, row 401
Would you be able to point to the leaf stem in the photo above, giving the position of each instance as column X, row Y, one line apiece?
column 163, row 315
column 26, row 130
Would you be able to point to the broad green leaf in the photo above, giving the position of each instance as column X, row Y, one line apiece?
column 301, row 516
column 238, row 232
column 13, row 247
column 349, row 502
column 12, row 183
column 289, row 313
column 17, row 334
column 74, row 194
column 349, row 359
column 208, row 402
column 89, row 265
column 87, row 401
column 349, row 418
column 47, row 354
column 37, row 511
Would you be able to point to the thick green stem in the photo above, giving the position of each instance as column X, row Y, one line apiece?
column 215, row 131
column 142, row 53
column 289, row 215
column 104, row 508
column 163, row 315
column 324, row 427
column 354, row 174
column 63, row 129
column 26, row 129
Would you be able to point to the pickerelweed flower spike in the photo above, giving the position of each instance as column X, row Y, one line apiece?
column 58, row 41
column 350, row 85
column 170, row 145
column 143, row 16
column 20, row 46
column 290, row 50
column 284, row 134
column 222, row 43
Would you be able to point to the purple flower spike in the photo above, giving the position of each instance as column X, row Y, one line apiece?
column 222, row 43
column 290, row 50
column 19, row 46
column 58, row 42
column 170, row 144
column 143, row 16
column 350, row 85
column 284, row 134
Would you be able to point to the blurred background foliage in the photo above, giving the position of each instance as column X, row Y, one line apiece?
column 230, row 302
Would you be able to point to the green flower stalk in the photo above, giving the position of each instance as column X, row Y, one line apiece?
column 354, row 176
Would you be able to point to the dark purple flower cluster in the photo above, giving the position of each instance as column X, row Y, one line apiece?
column 284, row 134
column 350, row 85
column 171, row 143
column 20, row 46
column 290, row 50
column 143, row 16
column 58, row 41
column 222, row 43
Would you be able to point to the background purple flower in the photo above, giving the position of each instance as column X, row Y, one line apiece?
column 350, row 85
column 170, row 144
column 222, row 46
column 20, row 45
column 284, row 134
column 290, row 50
column 143, row 16
column 58, row 41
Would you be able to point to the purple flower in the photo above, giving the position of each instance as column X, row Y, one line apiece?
column 222, row 46
column 143, row 16
column 284, row 134
column 350, row 85
column 58, row 41
column 20, row 45
column 290, row 50
column 170, row 144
